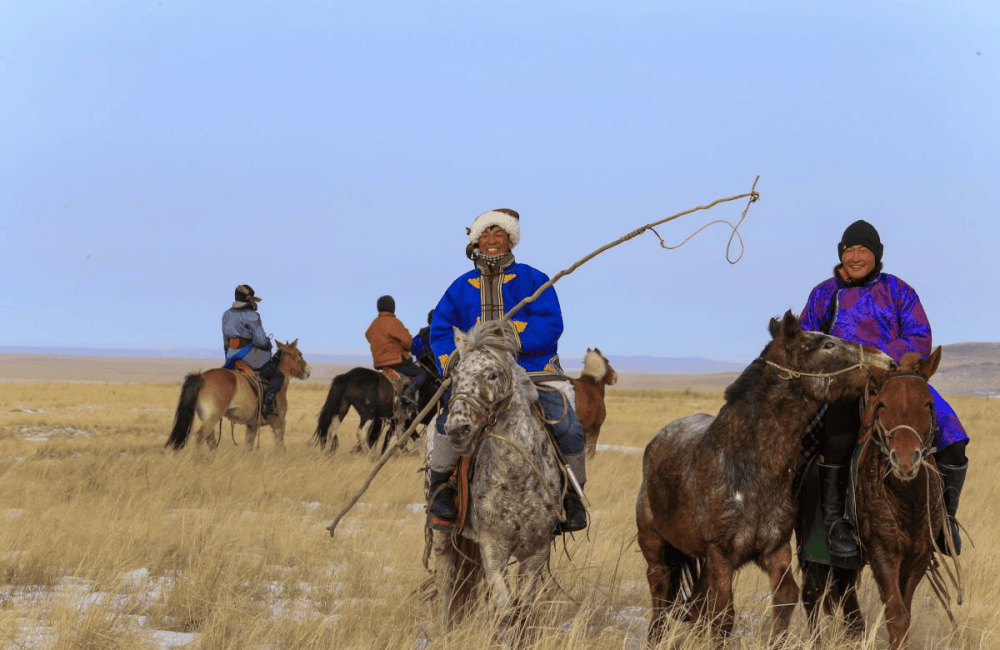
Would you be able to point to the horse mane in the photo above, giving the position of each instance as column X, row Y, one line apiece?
column 750, row 380
column 497, row 338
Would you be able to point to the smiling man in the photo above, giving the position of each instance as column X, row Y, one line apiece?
column 487, row 292
column 862, row 303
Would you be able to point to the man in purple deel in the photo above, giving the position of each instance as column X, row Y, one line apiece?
column 860, row 303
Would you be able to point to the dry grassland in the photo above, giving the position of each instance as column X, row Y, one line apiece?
column 110, row 541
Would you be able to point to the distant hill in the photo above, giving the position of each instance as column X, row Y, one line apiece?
column 966, row 368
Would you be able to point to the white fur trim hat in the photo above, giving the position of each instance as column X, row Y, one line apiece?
column 507, row 219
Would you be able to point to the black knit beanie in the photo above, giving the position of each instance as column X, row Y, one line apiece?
column 864, row 234
column 386, row 303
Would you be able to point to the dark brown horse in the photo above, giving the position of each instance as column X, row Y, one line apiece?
column 589, row 388
column 372, row 395
column 897, row 497
column 716, row 491
column 219, row 393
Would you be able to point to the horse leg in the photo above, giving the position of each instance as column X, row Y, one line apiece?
column 654, row 550
column 251, row 436
column 719, row 591
column 815, row 582
column 495, row 567
column 211, row 416
column 530, row 576
column 278, row 429
column 784, row 590
column 445, row 574
column 852, row 609
column 897, row 615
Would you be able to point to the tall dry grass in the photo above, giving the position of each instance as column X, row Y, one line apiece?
column 110, row 541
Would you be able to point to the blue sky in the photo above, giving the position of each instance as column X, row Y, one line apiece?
column 153, row 155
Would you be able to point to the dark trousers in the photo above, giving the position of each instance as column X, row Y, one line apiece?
column 272, row 377
column 839, row 435
column 411, row 369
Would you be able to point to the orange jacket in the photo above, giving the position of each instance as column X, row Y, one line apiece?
column 389, row 340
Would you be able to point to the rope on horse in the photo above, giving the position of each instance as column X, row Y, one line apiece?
column 752, row 194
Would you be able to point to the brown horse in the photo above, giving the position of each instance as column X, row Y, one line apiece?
column 219, row 393
column 589, row 388
column 716, row 492
column 897, row 497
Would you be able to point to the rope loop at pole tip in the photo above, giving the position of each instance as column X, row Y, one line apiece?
column 753, row 196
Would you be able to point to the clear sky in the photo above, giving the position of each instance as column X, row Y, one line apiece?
column 155, row 154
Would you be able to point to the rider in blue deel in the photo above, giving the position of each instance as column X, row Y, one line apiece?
column 495, row 285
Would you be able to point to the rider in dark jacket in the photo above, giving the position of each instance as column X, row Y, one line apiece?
column 863, row 304
column 243, row 338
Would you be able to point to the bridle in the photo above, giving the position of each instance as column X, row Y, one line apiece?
column 488, row 411
column 791, row 374
column 884, row 436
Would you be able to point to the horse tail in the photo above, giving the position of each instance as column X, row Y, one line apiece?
column 331, row 409
column 186, row 405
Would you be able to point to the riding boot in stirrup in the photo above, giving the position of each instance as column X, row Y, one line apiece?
column 841, row 540
column 444, row 503
column 576, row 514
column 269, row 407
column 953, row 479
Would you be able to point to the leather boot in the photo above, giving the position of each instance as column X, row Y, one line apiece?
column 444, row 503
column 269, row 407
column 576, row 513
column 841, row 539
column 953, row 479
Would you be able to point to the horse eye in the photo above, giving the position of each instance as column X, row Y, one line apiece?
column 493, row 376
column 829, row 345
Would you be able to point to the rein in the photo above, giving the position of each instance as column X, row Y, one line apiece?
column 490, row 412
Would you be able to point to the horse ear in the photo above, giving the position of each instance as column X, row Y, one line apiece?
column 293, row 343
column 927, row 367
column 789, row 326
column 461, row 340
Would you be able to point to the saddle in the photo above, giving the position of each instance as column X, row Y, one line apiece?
column 256, row 384
column 459, row 481
column 810, row 532
column 398, row 383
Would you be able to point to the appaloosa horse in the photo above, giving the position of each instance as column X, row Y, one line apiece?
column 219, row 393
column 515, row 496
column 589, row 389
column 897, row 498
column 716, row 491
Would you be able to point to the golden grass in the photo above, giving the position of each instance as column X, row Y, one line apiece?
column 111, row 541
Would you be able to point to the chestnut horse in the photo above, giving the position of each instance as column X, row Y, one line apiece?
column 716, row 492
column 589, row 388
column 897, row 498
column 219, row 393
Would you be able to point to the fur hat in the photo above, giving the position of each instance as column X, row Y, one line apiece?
column 245, row 298
column 507, row 219
column 386, row 303
column 861, row 233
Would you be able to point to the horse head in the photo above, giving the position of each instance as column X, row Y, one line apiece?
column 830, row 367
column 485, row 381
column 596, row 365
column 292, row 362
column 900, row 414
